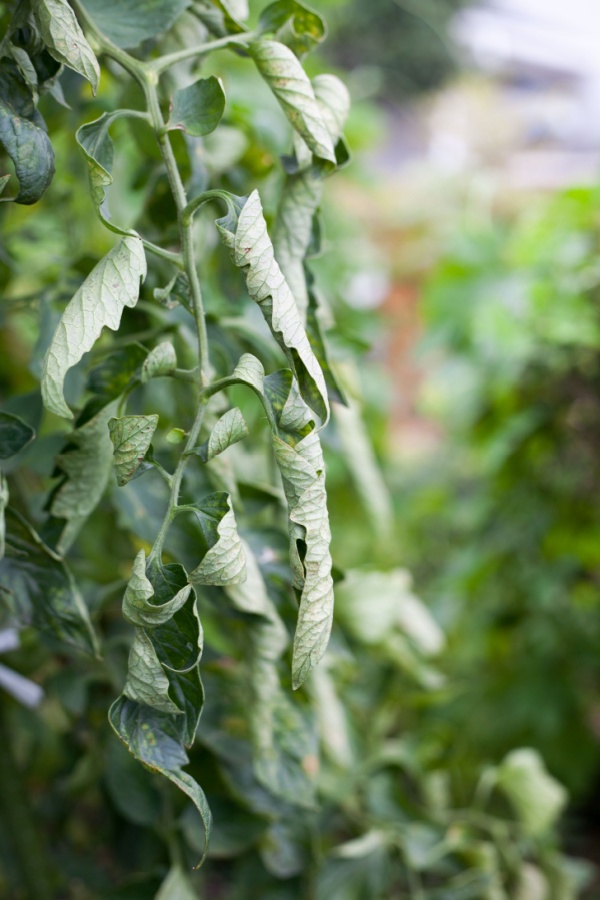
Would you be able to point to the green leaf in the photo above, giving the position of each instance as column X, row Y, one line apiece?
column 4, row 498
column 177, row 886
column 224, row 562
column 30, row 149
column 160, row 361
column 112, row 377
column 86, row 463
column 137, row 607
column 317, row 341
column 294, row 24
column 65, row 40
column 293, row 89
column 131, row 436
column 250, row 370
column 244, row 232
column 15, row 435
column 302, row 192
column 198, row 109
column 159, row 718
column 113, row 284
column 129, row 22
column 229, row 429
column 538, row 798
column 4, row 179
column 39, row 589
column 222, row 17
column 98, row 149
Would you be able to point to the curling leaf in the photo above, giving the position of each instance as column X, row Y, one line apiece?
column 65, row 40
column 160, row 361
column 157, row 715
column 15, row 434
column 30, row 149
column 538, row 799
column 198, row 109
column 244, row 232
column 112, row 285
column 250, row 371
column 294, row 24
column 224, row 562
column 229, row 429
column 131, row 436
column 292, row 88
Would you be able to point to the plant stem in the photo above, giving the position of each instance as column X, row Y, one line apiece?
column 21, row 830
column 171, row 257
column 157, row 66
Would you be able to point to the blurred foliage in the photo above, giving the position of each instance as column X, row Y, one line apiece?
column 402, row 773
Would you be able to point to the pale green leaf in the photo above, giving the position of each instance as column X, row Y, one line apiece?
column 160, row 361
column 176, row 886
column 147, row 682
column 244, row 232
column 4, row 497
column 250, row 371
column 538, row 799
column 65, row 40
column 129, row 22
column 228, row 430
column 4, row 179
column 15, row 435
column 112, row 285
column 86, row 465
column 224, row 562
column 292, row 87
column 131, row 436
column 222, row 17
column 137, row 607
column 198, row 109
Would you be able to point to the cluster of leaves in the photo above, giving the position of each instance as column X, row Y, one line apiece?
column 199, row 582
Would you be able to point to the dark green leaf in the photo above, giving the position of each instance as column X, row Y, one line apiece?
column 112, row 376
column 30, row 149
column 198, row 109
column 220, row 17
column 15, row 434
column 40, row 590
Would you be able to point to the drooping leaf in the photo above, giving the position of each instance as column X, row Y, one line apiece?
column 245, row 234
column 302, row 192
column 198, row 109
column 39, row 589
column 4, row 498
column 15, row 435
column 30, row 149
column 292, row 87
column 112, row 285
column 294, row 24
column 250, row 371
column 228, row 430
column 98, row 149
column 86, row 465
column 65, row 40
column 159, row 718
column 137, row 606
column 131, row 436
column 162, row 360
column 129, row 22
column 224, row 562
column 316, row 337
